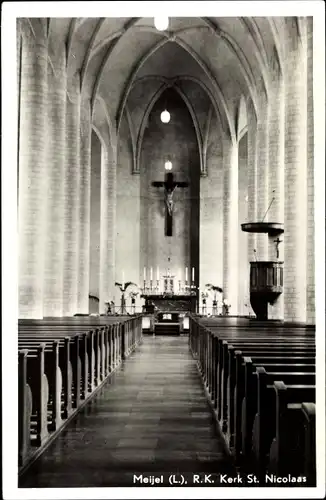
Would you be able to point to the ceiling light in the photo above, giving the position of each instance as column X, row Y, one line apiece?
column 161, row 23
column 165, row 116
column 168, row 165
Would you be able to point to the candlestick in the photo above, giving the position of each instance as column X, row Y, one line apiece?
column 144, row 273
column 158, row 273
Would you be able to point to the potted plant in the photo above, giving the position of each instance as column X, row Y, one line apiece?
column 215, row 289
column 123, row 288
column 133, row 296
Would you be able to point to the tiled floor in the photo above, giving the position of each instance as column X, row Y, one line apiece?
column 150, row 418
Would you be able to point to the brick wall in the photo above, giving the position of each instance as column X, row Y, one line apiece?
column 211, row 212
column 310, row 180
column 127, row 259
column 32, row 174
column 54, row 239
column 276, row 174
column 95, row 216
column 263, row 192
column 295, row 178
column 71, row 198
column 108, row 225
column 230, row 223
column 252, row 177
column 84, row 208
column 243, row 262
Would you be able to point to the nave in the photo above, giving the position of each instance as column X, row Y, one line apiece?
column 150, row 418
column 233, row 396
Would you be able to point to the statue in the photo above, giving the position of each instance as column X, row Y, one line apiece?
column 277, row 241
column 169, row 199
column 169, row 186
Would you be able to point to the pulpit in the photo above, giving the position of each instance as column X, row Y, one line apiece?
column 266, row 284
column 266, row 277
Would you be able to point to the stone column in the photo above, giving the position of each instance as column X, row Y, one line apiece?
column 263, row 198
column 84, row 209
column 310, row 179
column 276, row 171
column 71, row 198
column 252, row 177
column 53, row 252
column 32, row 174
column 252, row 188
column 295, row 177
column 230, row 224
column 108, row 228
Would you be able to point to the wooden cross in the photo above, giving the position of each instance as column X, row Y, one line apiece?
column 169, row 186
column 277, row 241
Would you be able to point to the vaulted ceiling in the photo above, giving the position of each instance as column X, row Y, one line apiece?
column 126, row 63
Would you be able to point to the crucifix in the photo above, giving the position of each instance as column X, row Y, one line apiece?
column 277, row 241
column 169, row 186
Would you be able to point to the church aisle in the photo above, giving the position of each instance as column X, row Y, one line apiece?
column 151, row 418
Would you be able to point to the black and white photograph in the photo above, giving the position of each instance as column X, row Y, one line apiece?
column 163, row 210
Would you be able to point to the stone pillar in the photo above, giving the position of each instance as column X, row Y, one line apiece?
column 295, row 177
column 276, row 172
column 32, row 174
column 71, row 198
column 84, row 209
column 230, row 224
column 252, row 189
column 108, row 228
column 18, row 56
column 53, row 252
column 263, row 198
column 310, row 178
column 252, row 177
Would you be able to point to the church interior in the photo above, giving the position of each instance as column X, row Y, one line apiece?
column 166, row 242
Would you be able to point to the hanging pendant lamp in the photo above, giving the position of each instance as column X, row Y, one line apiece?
column 161, row 23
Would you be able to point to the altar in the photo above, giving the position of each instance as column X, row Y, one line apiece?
column 168, row 303
column 168, row 314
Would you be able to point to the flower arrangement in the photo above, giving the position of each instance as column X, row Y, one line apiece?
column 215, row 289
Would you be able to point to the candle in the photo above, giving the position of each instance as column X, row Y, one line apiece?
column 144, row 273
column 158, row 273
column 151, row 273
column 193, row 274
column 186, row 274
column 123, row 279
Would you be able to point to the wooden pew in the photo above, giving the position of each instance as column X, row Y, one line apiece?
column 241, row 384
column 38, row 383
column 250, row 348
column 88, row 356
column 238, row 383
column 270, row 403
column 309, row 412
column 61, row 363
column 25, row 408
column 77, row 365
column 221, row 367
column 203, row 344
column 292, row 450
column 211, row 356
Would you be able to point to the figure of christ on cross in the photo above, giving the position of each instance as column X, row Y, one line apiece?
column 169, row 186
